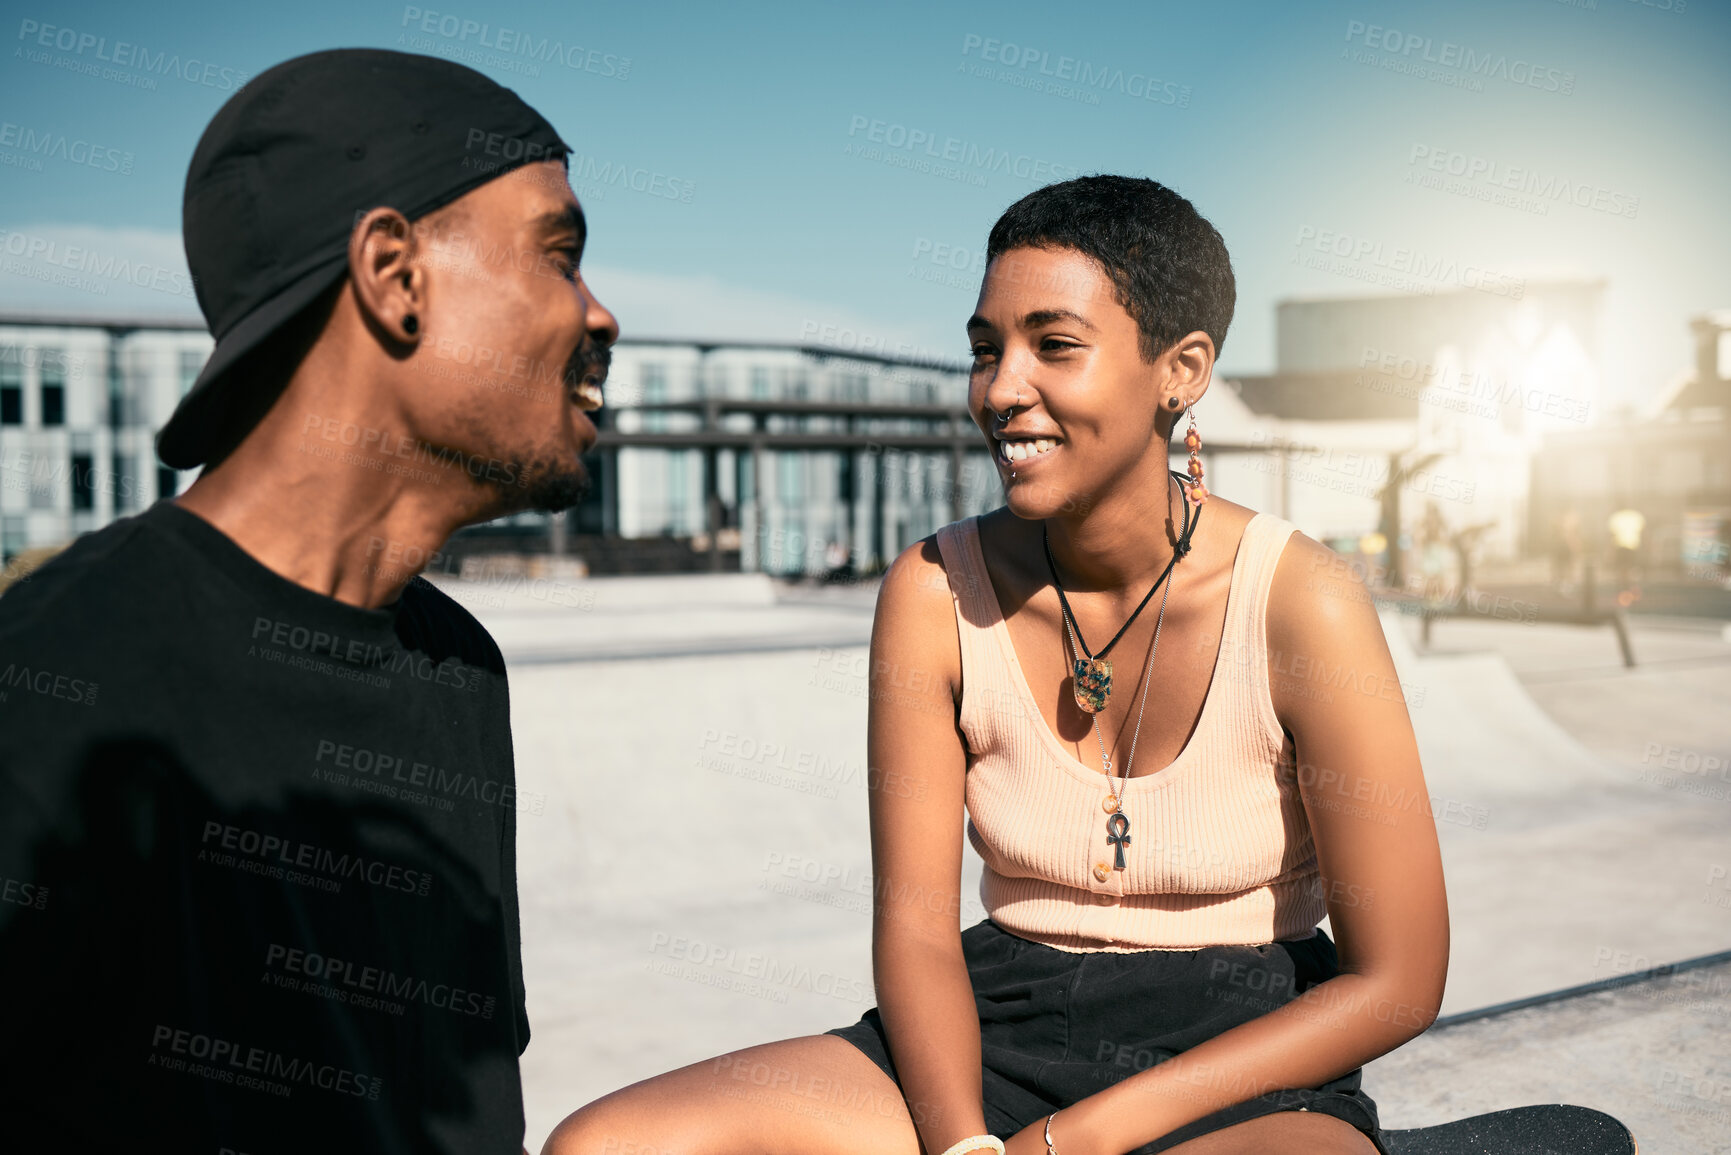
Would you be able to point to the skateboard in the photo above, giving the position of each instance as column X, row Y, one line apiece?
column 1547, row 1129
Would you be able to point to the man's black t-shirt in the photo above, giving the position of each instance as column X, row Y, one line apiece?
column 257, row 852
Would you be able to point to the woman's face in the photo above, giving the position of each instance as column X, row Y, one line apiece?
column 1054, row 350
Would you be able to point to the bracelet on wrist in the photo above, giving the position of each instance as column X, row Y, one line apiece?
column 977, row 1143
column 1050, row 1150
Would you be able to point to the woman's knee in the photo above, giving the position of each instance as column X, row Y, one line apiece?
column 603, row 1128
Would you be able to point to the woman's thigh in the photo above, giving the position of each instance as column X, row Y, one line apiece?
column 1283, row 1133
column 816, row 1095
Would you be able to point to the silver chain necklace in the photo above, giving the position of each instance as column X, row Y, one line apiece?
column 1118, row 823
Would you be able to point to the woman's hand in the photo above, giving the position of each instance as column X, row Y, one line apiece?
column 1030, row 1140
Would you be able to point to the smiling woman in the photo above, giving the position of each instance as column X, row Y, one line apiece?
column 1151, row 975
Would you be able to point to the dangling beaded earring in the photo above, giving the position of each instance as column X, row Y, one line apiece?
column 1198, row 493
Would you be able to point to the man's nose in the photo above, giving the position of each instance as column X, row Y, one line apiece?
column 602, row 324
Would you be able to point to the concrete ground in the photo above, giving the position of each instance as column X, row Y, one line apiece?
column 698, row 876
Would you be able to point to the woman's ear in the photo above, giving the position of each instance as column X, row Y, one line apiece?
column 1192, row 366
column 1187, row 367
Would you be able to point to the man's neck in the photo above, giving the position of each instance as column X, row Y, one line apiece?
column 338, row 515
column 362, row 552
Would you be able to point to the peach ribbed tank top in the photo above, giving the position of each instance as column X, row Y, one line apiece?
column 1220, row 850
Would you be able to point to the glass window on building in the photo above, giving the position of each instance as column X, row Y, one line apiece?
column 124, row 485
column 678, row 481
column 43, row 480
column 191, row 365
column 790, row 486
column 11, row 386
column 83, row 482
column 760, row 382
column 14, row 536
column 654, row 392
column 53, row 388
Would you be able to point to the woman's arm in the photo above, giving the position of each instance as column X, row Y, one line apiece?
column 1335, row 691
column 916, row 764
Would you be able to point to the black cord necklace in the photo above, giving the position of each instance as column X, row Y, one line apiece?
column 1092, row 685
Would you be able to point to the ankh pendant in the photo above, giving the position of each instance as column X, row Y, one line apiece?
column 1092, row 685
column 1118, row 836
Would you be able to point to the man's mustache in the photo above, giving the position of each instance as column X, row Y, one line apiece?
column 587, row 371
column 590, row 359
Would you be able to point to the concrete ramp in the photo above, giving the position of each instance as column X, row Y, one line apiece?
column 1483, row 739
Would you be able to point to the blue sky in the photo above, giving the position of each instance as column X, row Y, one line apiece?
column 1290, row 125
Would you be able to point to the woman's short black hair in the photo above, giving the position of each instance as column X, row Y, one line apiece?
column 1169, row 265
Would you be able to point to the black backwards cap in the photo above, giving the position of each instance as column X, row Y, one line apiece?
column 288, row 165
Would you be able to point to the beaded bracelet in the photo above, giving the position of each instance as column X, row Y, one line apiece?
column 977, row 1143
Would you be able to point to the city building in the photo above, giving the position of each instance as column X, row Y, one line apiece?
column 791, row 459
column 80, row 402
column 1381, row 413
column 1392, row 420
column 1670, row 462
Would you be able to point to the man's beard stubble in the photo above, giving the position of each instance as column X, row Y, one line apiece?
column 550, row 487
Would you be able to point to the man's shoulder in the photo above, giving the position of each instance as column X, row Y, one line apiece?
column 436, row 623
column 101, row 570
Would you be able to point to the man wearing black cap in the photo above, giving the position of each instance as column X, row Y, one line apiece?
column 257, row 803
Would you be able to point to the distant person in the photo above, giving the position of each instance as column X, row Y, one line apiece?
column 1567, row 552
column 1151, row 975
column 1625, row 527
column 1435, row 554
column 258, row 810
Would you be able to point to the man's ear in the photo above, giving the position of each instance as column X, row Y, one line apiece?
column 389, row 283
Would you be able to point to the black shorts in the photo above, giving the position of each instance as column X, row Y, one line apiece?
column 1057, row 1026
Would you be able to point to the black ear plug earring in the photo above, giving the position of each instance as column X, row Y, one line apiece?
column 411, row 326
column 1171, row 402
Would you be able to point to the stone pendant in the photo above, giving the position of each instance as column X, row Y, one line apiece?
column 1092, row 685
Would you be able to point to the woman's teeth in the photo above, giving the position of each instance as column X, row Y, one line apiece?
column 1013, row 451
